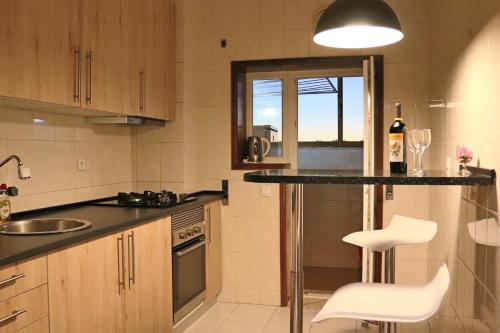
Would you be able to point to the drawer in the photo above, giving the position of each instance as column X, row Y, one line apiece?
column 22, row 276
column 31, row 306
column 41, row 326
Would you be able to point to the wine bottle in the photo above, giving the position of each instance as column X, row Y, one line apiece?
column 397, row 143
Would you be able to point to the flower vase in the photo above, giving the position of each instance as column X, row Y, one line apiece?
column 464, row 172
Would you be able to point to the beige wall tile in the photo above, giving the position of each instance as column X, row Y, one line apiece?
column 272, row 44
column 247, row 15
column 172, row 162
column 44, row 126
column 296, row 43
column 148, row 162
column 271, row 14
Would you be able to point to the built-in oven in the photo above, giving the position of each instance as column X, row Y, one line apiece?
column 188, row 261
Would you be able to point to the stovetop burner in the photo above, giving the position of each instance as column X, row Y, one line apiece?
column 148, row 199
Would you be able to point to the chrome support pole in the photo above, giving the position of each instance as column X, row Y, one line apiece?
column 389, row 277
column 297, row 269
column 390, row 266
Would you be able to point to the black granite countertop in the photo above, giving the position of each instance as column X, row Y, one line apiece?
column 299, row 176
column 105, row 220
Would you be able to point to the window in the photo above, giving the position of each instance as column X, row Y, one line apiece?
column 330, row 111
column 267, row 112
column 317, row 109
column 265, row 102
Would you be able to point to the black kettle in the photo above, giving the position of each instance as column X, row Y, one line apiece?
column 258, row 148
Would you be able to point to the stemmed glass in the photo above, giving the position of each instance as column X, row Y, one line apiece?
column 420, row 139
column 413, row 151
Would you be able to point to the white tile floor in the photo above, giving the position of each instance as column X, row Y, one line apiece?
column 248, row 318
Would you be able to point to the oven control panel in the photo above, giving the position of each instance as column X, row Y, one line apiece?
column 187, row 233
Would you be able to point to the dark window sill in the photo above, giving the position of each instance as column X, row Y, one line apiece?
column 261, row 166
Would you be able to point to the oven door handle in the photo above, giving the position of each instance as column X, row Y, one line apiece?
column 190, row 249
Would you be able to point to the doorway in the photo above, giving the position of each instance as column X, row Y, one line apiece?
column 257, row 81
column 330, row 131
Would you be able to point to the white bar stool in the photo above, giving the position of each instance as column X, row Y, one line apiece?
column 402, row 230
column 387, row 302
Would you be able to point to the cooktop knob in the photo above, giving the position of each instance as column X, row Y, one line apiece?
column 182, row 235
column 189, row 232
column 197, row 230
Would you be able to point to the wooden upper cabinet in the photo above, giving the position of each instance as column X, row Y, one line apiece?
column 156, row 59
column 38, row 59
column 107, row 62
column 115, row 56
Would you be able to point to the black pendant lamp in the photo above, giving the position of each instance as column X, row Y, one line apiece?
column 356, row 24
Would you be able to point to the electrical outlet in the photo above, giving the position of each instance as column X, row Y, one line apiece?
column 81, row 165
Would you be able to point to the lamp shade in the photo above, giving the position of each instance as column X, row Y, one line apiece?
column 355, row 24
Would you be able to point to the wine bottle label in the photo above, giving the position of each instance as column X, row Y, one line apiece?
column 396, row 147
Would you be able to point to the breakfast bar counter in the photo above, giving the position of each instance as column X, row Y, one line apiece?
column 296, row 178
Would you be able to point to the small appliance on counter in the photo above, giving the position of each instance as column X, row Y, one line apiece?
column 258, row 148
column 147, row 199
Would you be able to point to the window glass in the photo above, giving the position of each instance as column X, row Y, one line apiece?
column 318, row 109
column 353, row 108
column 267, row 113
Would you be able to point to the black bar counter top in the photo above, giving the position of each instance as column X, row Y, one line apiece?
column 301, row 176
column 105, row 220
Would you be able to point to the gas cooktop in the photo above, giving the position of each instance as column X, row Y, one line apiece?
column 147, row 199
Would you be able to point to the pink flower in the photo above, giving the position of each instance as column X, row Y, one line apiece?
column 464, row 154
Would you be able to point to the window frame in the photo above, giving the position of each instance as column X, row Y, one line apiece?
column 241, row 68
column 284, row 115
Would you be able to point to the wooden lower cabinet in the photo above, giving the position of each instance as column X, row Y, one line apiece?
column 30, row 307
column 213, row 254
column 118, row 283
column 40, row 326
column 148, row 298
column 83, row 287
column 22, row 276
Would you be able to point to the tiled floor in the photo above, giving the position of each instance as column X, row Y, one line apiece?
column 248, row 318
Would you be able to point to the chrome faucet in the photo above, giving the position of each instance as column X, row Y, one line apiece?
column 22, row 171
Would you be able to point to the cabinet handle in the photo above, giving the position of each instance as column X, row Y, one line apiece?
column 78, row 70
column 131, row 259
column 90, row 59
column 12, row 316
column 12, row 279
column 121, row 269
column 141, row 92
column 209, row 225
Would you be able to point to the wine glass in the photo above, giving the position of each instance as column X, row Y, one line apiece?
column 421, row 141
column 414, row 153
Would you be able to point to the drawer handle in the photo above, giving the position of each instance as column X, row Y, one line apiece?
column 13, row 278
column 12, row 316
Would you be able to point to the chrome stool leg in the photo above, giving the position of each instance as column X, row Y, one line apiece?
column 389, row 277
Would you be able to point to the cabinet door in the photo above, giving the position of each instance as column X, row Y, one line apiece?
column 84, row 287
column 160, row 61
column 39, row 39
column 107, row 60
column 214, row 255
column 148, row 297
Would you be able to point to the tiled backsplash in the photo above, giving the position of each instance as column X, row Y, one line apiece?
column 50, row 144
column 464, row 78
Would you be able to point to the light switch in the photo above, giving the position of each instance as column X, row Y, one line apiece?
column 265, row 191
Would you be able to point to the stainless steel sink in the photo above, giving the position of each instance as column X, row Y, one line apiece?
column 43, row 226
